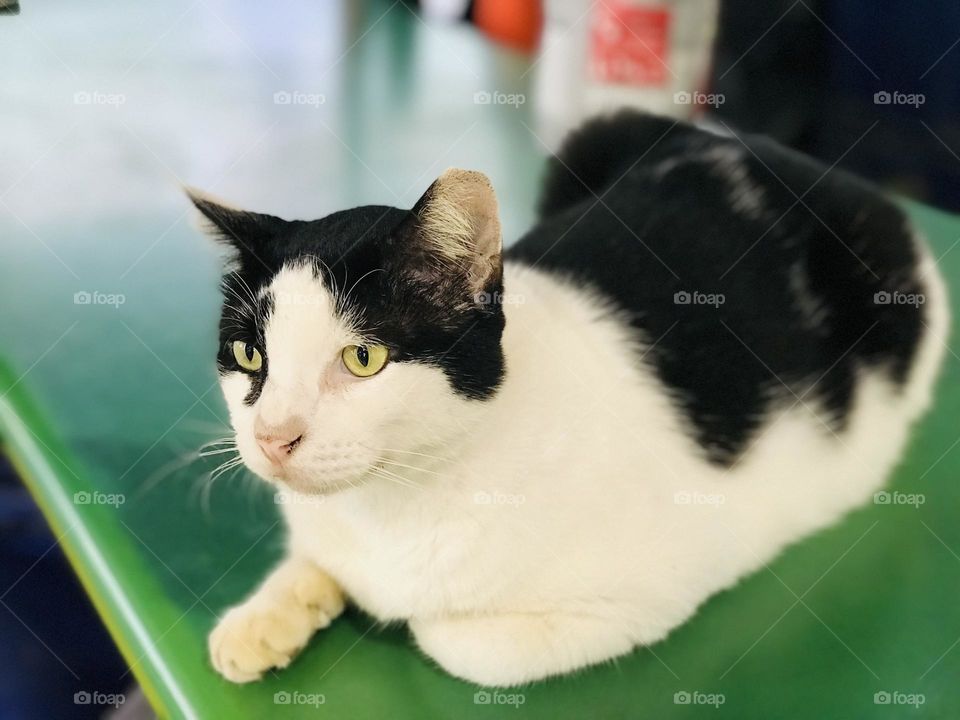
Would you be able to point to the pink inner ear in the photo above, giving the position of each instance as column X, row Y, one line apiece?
column 459, row 224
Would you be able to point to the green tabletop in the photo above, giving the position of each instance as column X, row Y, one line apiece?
column 107, row 382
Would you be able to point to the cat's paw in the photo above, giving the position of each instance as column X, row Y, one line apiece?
column 269, row 630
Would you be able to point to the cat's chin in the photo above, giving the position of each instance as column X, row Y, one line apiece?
column 310, row 486
column 311, row 482
column 317, row 489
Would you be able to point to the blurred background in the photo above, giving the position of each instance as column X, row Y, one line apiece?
column 304, row 108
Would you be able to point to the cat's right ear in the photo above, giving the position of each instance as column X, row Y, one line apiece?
column 248, row 234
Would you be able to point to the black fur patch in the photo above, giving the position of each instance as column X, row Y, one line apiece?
column 682, row 210
column 244, row 315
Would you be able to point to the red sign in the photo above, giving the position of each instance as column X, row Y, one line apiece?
column 629, row 44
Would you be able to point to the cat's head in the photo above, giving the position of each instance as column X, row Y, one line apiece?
column 364, row 335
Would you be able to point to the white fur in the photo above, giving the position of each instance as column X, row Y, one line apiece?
column 549, row 527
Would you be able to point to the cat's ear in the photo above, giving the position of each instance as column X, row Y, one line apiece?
column 248, row 234
column 456, row 230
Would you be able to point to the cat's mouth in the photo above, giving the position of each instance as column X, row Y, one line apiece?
column 316, row 468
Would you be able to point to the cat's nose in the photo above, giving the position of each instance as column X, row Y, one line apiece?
column 277, row 449
column 279, row 442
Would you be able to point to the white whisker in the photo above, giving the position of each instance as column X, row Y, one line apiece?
column 221, row 451
column 411, row 467
column 207, row 490
column 411, row 452
column 220, row 441
column 392, row 477
column 224, row 467
column 370, row 272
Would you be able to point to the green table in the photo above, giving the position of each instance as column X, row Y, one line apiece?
column 100, row 402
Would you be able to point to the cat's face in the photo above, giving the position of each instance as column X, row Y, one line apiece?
column 359, row 337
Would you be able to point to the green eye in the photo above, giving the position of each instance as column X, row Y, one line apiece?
column 247, row 356
column 364, row 360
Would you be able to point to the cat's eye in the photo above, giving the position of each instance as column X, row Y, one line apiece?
column 247, row 356
column 364, row 360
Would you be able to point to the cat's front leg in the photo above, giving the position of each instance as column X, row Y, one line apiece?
column 272, row 626
column 511, row 649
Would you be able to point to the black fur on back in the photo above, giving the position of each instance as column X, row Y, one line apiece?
column 649, row 211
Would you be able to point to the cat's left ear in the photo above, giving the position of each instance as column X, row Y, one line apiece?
column 456, row 231
column 247, row 233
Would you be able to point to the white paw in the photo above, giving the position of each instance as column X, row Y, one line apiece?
column 270, row 629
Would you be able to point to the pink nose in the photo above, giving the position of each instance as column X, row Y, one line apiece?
column 277, row 449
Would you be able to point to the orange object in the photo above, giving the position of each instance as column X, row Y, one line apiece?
column 515, row 23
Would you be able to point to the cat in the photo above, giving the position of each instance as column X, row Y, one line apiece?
column 707, row 348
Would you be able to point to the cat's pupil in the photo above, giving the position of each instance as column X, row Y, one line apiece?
column 248, row 351
column 362, row 355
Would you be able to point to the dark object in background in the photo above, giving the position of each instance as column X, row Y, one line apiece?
column 9, row 7
column 772, row 74
column 815, row 75
column 44, row 605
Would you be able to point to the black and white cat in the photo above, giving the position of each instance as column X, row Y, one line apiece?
column 706, row 349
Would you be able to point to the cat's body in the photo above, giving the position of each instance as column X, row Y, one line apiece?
column 619, row 454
